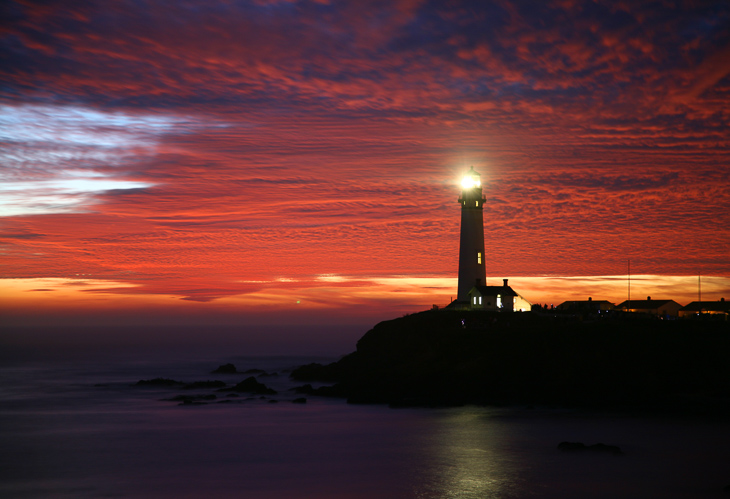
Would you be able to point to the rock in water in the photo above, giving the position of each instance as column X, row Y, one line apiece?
column 225, row 369
column 158, row 382
column 250, row 385
column 204, row 384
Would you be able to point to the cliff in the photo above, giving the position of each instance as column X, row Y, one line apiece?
column 451, row 358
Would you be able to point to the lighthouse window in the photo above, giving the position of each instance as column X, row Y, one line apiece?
column 479, row 257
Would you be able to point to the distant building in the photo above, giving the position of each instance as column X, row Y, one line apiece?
column 719, row 309
column 589, row 306
column 497, row 298
column 662, row 308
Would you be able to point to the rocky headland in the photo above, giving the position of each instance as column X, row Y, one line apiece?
column 445, row 357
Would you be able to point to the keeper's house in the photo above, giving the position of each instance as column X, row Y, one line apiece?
column 497, row 298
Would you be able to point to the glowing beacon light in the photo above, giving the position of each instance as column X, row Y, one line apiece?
column 471, row 180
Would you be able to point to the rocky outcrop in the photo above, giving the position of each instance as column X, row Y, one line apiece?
column 192, row 398
column 225, row 369
column 158, row 382
column 335, row 390
column 250, row 385
column 204, row 384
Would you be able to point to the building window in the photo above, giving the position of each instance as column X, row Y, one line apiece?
column 477, row 202
column 479, row 257
column 475, row 300
column 499, row 301
column 480, row 300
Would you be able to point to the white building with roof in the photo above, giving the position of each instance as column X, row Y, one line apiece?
column 497, row 298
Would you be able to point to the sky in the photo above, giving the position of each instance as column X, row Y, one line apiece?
column 298, row 161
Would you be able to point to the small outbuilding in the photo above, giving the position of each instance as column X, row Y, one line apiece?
column 497, row 298
column 659, row 308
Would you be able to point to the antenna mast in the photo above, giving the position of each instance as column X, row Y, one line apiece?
column 628, row 307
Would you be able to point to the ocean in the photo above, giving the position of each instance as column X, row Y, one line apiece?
column 80, row 428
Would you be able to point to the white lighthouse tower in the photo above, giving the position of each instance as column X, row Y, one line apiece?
column 472, row 271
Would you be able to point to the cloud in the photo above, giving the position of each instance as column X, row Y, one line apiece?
column 57, row 158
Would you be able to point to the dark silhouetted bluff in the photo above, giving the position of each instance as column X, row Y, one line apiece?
column 447, row 357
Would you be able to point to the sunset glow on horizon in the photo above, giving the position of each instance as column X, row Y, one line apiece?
column 301, row 161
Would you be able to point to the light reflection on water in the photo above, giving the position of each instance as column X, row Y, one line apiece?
column 465, row 456
column 61, row 436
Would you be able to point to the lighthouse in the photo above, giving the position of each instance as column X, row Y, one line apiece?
column 472, row 271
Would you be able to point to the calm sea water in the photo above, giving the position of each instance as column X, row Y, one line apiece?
column 79, row 429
